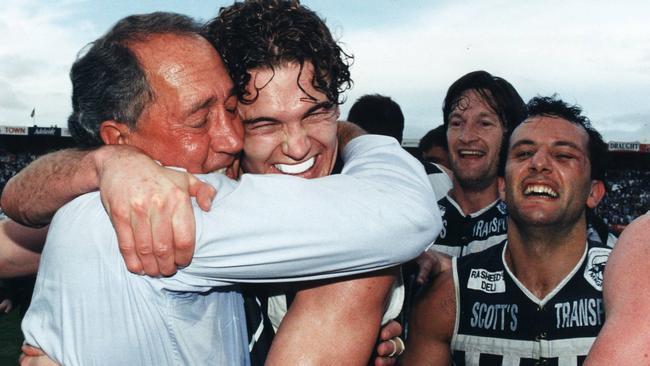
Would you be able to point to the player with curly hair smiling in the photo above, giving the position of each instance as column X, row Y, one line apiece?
column 289, row 74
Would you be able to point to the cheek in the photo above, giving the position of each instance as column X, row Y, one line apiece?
column 325, row 135
column 495, row 140
column 451, row 137
column 259, row 149
column 194, row 147
column 508, row 183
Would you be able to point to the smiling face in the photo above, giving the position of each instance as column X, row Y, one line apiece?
column 548, row 173
column 474, row 134
column 192, row 121
column 291, row 127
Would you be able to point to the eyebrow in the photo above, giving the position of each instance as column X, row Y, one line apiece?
column 248, row 121
column 521, row 143
column 327, row 104
column 455, row 113
column 488, row 114
column 561, row 143
column 200, row 105
column 570, row 144
column 208, row 102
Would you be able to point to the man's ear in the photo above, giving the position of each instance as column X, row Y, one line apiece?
column 501, row 183
column 596, row 193
column 114, row 133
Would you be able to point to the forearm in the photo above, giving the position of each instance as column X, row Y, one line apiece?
column 335, row 323
column 33, row 195
column 38, row 191
column 432, row 322
column 278, row 228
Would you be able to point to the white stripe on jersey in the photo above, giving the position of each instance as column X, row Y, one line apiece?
column 473, row 247
column 568, row 361
column 509, row 360
column 480, row 245
column 473, row 346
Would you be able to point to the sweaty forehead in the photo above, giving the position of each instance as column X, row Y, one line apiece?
column 550, row 130
column 474, row 101
column 184, row 65
column 288, row 78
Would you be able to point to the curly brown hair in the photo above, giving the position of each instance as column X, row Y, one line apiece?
column 269, row 33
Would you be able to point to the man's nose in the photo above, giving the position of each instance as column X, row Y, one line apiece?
column 296, row 144
column 228, row 135
column 468, row 132
column 540, row 161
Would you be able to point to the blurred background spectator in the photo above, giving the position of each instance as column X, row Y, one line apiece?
column 379, row 115
column 433, row 146
column 628, row 197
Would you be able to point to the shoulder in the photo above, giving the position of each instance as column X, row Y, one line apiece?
column 81, row 232
column 628, row 262
column 635, row 238
column 82, row 214
column 626, row 292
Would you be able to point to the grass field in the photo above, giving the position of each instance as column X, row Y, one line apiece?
column 11, row 337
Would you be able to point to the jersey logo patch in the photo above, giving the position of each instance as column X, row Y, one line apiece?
column 596, row 260
column 501, row 206
column 486, row 281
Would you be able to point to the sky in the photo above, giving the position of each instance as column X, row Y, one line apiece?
column 590, row 52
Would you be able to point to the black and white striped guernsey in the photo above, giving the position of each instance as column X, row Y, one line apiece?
column 465, row 234
column 500, row 322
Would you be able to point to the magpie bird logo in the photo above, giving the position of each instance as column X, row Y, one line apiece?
column 595, row 268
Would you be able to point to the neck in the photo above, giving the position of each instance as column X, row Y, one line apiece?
column 474, row 200
column 541, row 257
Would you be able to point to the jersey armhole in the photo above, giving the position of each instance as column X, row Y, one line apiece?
column 454, row 268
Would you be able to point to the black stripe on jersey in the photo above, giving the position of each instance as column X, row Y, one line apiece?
column 431, row 168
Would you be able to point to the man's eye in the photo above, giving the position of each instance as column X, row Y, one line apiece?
column 231, row 104
column 322, row 114
column 261, row 126
column 486, row 123
column 231, row 107
column 199, row 122
column 564, row 156
column 523, row 154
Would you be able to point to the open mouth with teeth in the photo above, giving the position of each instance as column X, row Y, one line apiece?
column 470, row 153
column 539, row 190
column 296, row 168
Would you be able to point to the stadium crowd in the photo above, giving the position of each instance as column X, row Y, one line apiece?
column 504, row 259
column 628, row 196
column 12, row 163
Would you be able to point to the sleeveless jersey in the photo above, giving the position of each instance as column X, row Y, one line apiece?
column 462, row 235
column 500, row 322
